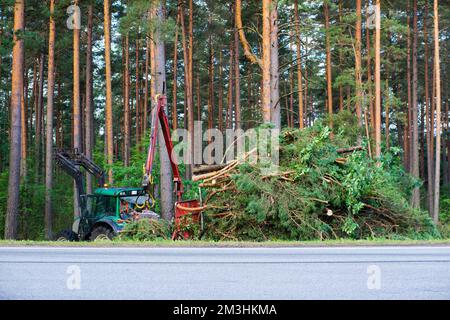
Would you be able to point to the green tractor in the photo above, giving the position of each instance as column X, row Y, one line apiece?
column 103, row 214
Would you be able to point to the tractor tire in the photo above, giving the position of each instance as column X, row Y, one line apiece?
column 101, row 233
column 66, row 235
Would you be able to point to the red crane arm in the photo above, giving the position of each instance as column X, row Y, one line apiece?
column 159, row 113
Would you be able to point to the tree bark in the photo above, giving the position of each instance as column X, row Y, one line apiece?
column 369, row 69
column 429, row 125
column 12, row 210
column 59, row 125
column 341, row 61
column 108, row 75
column 407, row 133
column 377, row 79
column 137, row 99
column 437, row 71
column 126, row 100
column 328, row 63
column 145, row 102
column 447, row 140
column 199, row 100
column 308, row 115
column 229, row 115
column 89, row 122
column 358, row 76
column 188, row 93
column 415, row 199
column 211, row 86
column 220, row 103
column 165, row 168
column 23, row 159
column 175, row 76
column 237, row 79
column 266, row 63
column 39, row 115
column 49, row 135
column 275, row 109
column 301, row 120
column 76, row 129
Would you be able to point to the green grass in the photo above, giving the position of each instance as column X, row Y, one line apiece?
column 225, row 244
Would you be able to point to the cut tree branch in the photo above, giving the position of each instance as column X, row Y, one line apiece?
column 245, row 45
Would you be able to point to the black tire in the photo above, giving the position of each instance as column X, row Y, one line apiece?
column 66, row 235
column 101, row 233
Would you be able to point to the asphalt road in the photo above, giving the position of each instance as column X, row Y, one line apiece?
column 225, row 273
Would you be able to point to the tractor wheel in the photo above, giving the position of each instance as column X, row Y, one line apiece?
column 66, row 235
column 101, row 233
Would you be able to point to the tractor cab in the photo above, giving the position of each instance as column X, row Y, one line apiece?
column 103, row 214
column 108, row 210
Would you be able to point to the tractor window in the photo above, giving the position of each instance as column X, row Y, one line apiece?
column 90, row 205
column 105, row 206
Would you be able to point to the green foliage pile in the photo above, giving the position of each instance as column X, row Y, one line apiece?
column 323, row 198
column 147, row 230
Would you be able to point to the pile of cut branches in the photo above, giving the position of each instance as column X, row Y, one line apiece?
column 326, row 187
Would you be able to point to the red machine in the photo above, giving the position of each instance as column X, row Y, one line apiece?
column 188, row 211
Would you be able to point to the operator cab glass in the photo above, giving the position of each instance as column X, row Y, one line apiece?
column 99, row 205
column 106, row 205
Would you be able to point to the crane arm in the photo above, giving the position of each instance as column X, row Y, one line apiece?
column 159, row 114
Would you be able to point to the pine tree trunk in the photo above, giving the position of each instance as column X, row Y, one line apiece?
column 210, row 86
column 23, row 159
column 429, row 125
column 49, row 134
column 137, row 99
column 188, row 93
column 191, row 87
column 308, row 115
column 369, row 69
column 266, row 88
column 358, row 76
column 33, row 95
column 76, row 112
column 229, row 115
column 387, row 111
column 290, row 108
column 76, row 88
column 108, row 75
column 301, row 120
column 328, row 63
column 447, row 140
column 407, row 133
column 165, row 168
column 415, row 199
column 377, row 79
column 199, row 100
column 59, row 126
column 146, row 95
column 438, row 114
column 274, row 65
column 175, row 76
column 341, row 62
column 39, row 115
column 220, row 103
column 89, row 122
column 12, row 210
column 237, row 79
column 126, row 100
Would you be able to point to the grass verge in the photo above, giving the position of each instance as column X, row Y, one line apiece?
column 225, row 244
